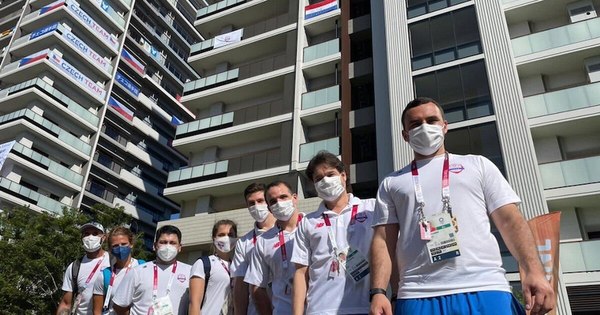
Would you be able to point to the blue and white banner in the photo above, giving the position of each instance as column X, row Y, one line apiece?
column 106, row 37
column 102, row 62
column 228, row 38
column 79, row 77
column 43, row 31
column 319, row 8
column 5, row 150
column 130, row 86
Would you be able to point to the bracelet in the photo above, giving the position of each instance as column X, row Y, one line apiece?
column 374, row 291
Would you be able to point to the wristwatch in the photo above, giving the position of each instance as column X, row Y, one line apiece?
column 374, row 291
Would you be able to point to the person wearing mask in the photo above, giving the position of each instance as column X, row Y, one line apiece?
column 263, row 221
column 120, row 241
column 271, row 258
column 80, row 275
column 331, row 248
column 213, row 297
column 432, row 221
column 159, row 287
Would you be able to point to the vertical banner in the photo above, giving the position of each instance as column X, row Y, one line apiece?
column 546, row 233
column 5, row 150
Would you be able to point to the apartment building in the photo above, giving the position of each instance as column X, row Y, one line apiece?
column 89, row 95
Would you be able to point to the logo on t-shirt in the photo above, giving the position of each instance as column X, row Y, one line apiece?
column 320, row 224
column 276, row 245
column 181, row 277
column 456, row 168
column 361, row 217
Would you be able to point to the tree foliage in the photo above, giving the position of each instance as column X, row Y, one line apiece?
column 35, row 250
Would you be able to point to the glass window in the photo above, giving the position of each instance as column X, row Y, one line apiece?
column 478, row 139
column 419, row 7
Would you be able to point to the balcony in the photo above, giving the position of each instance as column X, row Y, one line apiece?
column 308, row 150
column 570, row 173
column 212, row 81
column 321, row 97
column 321, row 50
column 218, row 7
column 50, row 165
column 563, row 100
column 206, row 124
column 580, row 256
column 558, row 37
column 32, row 197
column 198, row 173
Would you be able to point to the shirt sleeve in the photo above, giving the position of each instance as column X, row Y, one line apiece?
column 99, row 284
column 258, row 270
column 302, row 251
column 123, row 295
column 67, row 279
column 198, row 270
column 239, row 265
column 496, row 189
column 385, row 208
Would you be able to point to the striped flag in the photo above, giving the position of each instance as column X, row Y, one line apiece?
column 134, row 63
column 319, row 8
column 122, row 109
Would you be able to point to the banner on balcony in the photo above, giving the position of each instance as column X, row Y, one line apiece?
column 127, row 84
column 313, row 10
column 5, row 150
column 108, row 38
column 120, row 108
column 102, row 62
column 176, row 121
column 94, row 88
column 43, row 31
column 546, row 233
column 52, row 6
column 134, row 63
column 228, row 38
column 34, row 57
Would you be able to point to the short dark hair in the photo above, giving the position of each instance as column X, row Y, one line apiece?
column 168, row 229
column 418, row 102
column 323, row 157
column 277, row 183
column 252, row 188
column 224, row 222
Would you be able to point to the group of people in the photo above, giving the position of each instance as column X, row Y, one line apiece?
column 436, row 253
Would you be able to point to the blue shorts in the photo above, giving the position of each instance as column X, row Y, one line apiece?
column 484, row 302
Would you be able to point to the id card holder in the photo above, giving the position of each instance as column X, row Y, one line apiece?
column 334, row 268
column 162, row 306
column 444, row 242
column 425, row 230
column 356, row 265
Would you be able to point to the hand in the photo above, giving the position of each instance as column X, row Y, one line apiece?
column 538, row 293
column 380, row 305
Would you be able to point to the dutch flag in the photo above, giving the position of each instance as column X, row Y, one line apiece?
column 319, row 8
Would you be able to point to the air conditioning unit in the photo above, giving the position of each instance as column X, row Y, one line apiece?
column 581, row 10
column 592, row 67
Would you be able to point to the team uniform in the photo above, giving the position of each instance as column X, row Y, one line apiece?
column 271, row 263
column 476, row 189
column 241, row 259
column 88, row 272
column 118, row 275
column 331, row 287
column 218, row 289
column 137, row 288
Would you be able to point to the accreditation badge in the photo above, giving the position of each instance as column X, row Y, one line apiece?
column 162, row 306
column 355, row 264
column 444, row 242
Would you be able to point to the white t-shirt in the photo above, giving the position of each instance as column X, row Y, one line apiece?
column 241, row 259
column 312, row 248
column 219, row 284
column 86, row 291
column 477, row 188
column 136, row 287
column 120, row 274
column 267, row 266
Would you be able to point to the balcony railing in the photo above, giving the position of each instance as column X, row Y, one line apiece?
column 556, row 37
column 195, row 172
column 32, row 196
column 571, row 173
column 52, row 166
column 321, row 50
column 218, row 7
column 321, row 97
column 580, row 256
column 212, row 81
column 205, row 124
column 254, row 162
column 308, row 150
column 563, row 100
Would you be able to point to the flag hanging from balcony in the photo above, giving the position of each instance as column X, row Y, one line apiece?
column 134, row 63
column 228, row 38
column 34, row 57
column 176, row 121
column 5, row 150
column 120, row 108
column 319, row 8
column 52, row 6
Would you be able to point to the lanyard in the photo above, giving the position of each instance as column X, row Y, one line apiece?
column 110, row 285
column 253, row 237
column 445, row 188
column 330, row 229
column 282, row 243
column 155, row 285
column 224, row 267
column 91, row 275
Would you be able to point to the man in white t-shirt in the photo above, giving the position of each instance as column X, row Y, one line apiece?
column 331, row 248
column 157, row 287
column 271, row 257
column 432, row 219
column 95, row 259
column 264, row 220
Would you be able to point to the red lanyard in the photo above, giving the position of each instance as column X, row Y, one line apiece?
column 155, row 284
column 254, row 237
column 352, row 216
column 282, row 242
column 91, row 275
column 445, row 186
column 224, row 267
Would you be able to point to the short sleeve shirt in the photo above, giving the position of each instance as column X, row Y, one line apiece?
column 85, row 290
column 218, row 286
column 120, row 274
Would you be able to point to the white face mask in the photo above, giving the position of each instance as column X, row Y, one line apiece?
column 92, row 243
column 426, row 139
column 166, row 252
column 225, row 243
column 330, row 188
column 283, row 210
column 259, row 212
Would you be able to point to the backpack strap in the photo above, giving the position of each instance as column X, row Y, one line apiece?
column 141, row 262
column 74, row 274
column 206, row 263
column 107, row 274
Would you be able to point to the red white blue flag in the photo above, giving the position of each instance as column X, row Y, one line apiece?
column 34, row 57
column 51, row 6
column 319, row 8
column 134, row 63
column 120, row 108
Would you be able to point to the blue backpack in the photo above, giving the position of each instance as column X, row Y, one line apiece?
column 107, row 273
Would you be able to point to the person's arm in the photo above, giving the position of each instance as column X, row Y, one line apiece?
column 64, row 307
column 261, row 300
column 299, row 289
column 121, row 310
column 97, row 304
column 240, row 296
column 539, row 295
column 196, row 295
column 383, row 247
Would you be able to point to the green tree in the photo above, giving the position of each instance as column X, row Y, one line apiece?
column 35, row 250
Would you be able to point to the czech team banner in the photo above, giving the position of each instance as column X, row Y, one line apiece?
column 546, row 233
column 108, row 38
column 79, row 77
column 313, row 10
column 5, row 150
